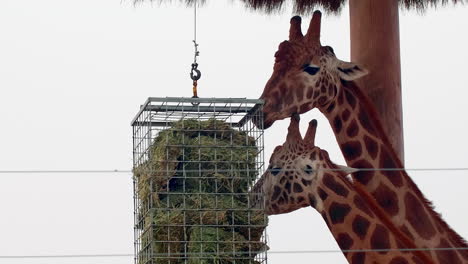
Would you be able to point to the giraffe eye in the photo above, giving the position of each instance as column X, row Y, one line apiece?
column 311, row 69
column 275, row 170
column 308, row 169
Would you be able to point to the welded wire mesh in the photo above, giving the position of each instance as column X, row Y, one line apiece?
column 195, row 162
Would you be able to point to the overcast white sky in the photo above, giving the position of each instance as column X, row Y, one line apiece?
column 73, row 74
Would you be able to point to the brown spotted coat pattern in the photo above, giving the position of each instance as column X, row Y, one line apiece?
column 301, row 175
column 326, row 83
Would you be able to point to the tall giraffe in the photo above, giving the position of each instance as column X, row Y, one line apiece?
column 308, row 75
column 301, row 174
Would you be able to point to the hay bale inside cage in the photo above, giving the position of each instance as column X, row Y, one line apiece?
column 195, row 162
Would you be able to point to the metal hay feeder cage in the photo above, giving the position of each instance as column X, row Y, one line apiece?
column 195, row 161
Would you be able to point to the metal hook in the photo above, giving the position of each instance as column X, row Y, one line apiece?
column 195, row 74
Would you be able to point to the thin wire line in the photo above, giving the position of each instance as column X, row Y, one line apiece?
column 236, row 253
column 66, row 256
column 195, row 23
column 62, row 171
column 364, row 250
column 130, row 171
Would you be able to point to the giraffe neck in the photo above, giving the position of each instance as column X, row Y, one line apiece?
column 356, row 225
column 364, row 145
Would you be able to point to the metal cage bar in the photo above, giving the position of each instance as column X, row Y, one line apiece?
column 195, row 161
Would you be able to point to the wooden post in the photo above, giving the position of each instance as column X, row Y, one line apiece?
column 375, row 43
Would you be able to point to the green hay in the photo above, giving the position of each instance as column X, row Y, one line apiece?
column 195, row 188
column 210, row 245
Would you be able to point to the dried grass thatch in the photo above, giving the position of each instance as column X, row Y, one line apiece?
column 307, row 6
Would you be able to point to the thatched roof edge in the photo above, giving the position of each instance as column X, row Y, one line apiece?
column 307, row 6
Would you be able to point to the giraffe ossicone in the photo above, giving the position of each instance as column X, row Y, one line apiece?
column 307, row 75
column 301, row 175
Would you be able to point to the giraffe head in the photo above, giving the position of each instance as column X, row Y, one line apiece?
column 306, row 74
column 296, row 171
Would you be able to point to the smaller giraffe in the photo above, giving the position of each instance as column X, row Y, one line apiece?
column 301, row 174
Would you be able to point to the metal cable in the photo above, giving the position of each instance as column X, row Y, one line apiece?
column 61, row 171
column 195, row 73
column 130, row 171
column 231, row 253
column 195, row 26
column 65, row 256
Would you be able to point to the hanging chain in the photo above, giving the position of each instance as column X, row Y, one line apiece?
column 195, row 74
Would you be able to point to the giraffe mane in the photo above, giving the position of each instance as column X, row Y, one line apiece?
column 455, row 237
column 376, row 209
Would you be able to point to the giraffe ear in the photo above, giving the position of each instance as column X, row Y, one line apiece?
column 349, row 71
column 347, row 170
